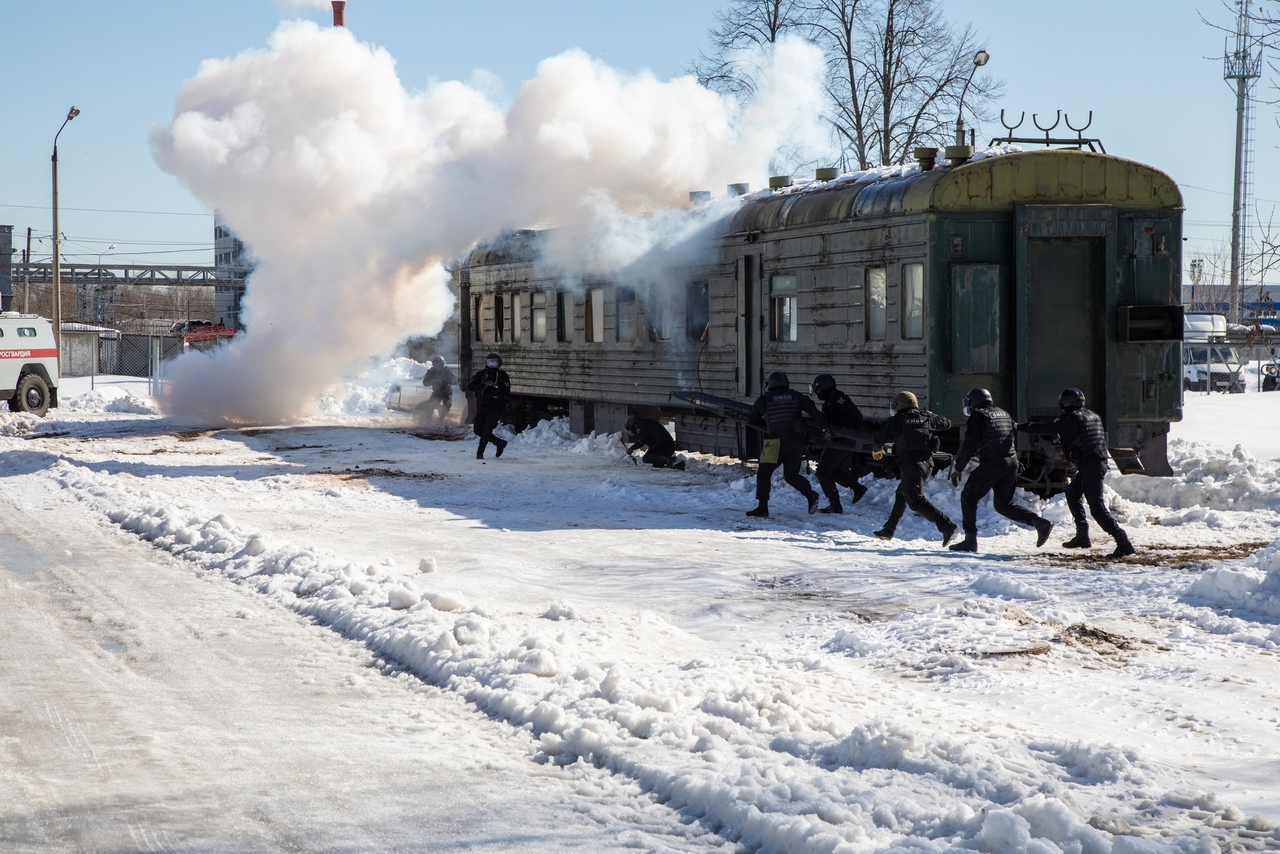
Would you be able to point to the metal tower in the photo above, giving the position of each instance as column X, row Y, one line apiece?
column 1242, row 65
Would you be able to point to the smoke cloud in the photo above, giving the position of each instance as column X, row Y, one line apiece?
column 353, row 193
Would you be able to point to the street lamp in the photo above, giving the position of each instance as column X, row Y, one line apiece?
column 57, row 261
column 979, row 59
column 100, row 254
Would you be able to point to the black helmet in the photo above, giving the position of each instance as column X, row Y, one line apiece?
column 438, row 361
column 977, row 398
column 493, row 360
column 823, row 385
column 630, row 425
column 776, row 379
column 1071, row 399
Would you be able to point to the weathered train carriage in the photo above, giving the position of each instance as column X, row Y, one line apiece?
column 1025, row 273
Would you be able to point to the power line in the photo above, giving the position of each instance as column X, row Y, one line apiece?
column 7, row 208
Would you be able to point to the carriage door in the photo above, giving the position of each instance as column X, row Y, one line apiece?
column 749, row 320
column 1064, row 255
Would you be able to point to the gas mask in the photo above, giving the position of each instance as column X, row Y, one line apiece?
column 492, row 363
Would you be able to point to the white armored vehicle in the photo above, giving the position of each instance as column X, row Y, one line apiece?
column 28, row 363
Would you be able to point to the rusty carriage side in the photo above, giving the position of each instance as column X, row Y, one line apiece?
column 1024, row 273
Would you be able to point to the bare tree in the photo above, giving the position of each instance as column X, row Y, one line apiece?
column 745, row 24
column 896, row 69
column 913, row 64
column 1266, row 252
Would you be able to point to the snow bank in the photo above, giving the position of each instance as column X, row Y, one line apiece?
column 1206, row 480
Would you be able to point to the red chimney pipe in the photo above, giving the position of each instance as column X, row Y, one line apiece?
column 338, row 6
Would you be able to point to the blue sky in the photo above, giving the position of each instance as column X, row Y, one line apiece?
column 1150, row 71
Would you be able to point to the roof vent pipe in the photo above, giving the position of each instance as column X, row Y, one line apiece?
column 739, row 189
column 777, row 182
column 699, row 197
column 826, row 173
column 338, row 7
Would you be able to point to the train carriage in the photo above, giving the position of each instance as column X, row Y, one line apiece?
column 1024, row 272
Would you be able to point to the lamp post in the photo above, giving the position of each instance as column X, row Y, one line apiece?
column 979, row 59
column 57, row 260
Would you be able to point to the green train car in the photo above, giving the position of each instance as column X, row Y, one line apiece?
column 1025, row 273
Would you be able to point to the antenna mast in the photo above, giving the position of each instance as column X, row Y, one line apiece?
column 1242, row 65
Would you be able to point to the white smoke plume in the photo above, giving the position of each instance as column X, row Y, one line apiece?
column 353, row 193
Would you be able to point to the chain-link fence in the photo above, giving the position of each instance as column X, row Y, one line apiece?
column 99, row 358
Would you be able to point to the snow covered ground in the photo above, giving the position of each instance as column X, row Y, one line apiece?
column 345, row 636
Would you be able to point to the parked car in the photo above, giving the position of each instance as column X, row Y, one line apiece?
column 28, row 363
column 1270, row 375
column 410, row 395
column 1208, row 364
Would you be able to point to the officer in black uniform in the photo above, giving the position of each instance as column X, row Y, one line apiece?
column 838, row 465
column 988, row 435
column 645, row 432
column 441, row 381
column 491, row 386
column 911, row 430
column 1084, row 441
column 777, row 412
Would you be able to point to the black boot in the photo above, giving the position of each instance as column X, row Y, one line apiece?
column 1124, row 548
column 1043, row 527
column 761, row 511
column 1080, row 540
column 885, row 533
column 480, row 449
column 502, row 446
column 968, row 544
column 832, row 507
column 948, row 530
column 813, row 502
column 858, row 491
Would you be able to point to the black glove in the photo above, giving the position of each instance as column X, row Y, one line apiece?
column 955, row 476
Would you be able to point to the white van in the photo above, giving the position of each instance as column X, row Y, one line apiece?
column 28, row 363
column 1208, row 363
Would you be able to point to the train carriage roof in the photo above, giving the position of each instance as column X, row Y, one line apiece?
column 997, row 183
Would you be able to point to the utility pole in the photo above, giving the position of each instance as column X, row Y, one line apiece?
column 1242, row 65
column 26, row 276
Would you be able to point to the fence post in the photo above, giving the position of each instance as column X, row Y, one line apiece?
column 154, row 367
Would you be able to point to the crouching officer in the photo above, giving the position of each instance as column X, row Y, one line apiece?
column 776, row 412
column 911, row 430
column 645, row 432
column 838, row 465
column 988, row 435
column 440, row 380
column 1084, row 440
column 492, row 386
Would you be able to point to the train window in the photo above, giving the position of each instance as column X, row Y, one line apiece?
column 626, row 301
column 517, row 317
column 562, row 316
column 877, row 303
column 477, row 319
column 538, row 316
column 595, row 315
column 499, row 316
column 697, row 311
column 913, row 301
column 784, row 325
column 658, row 313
